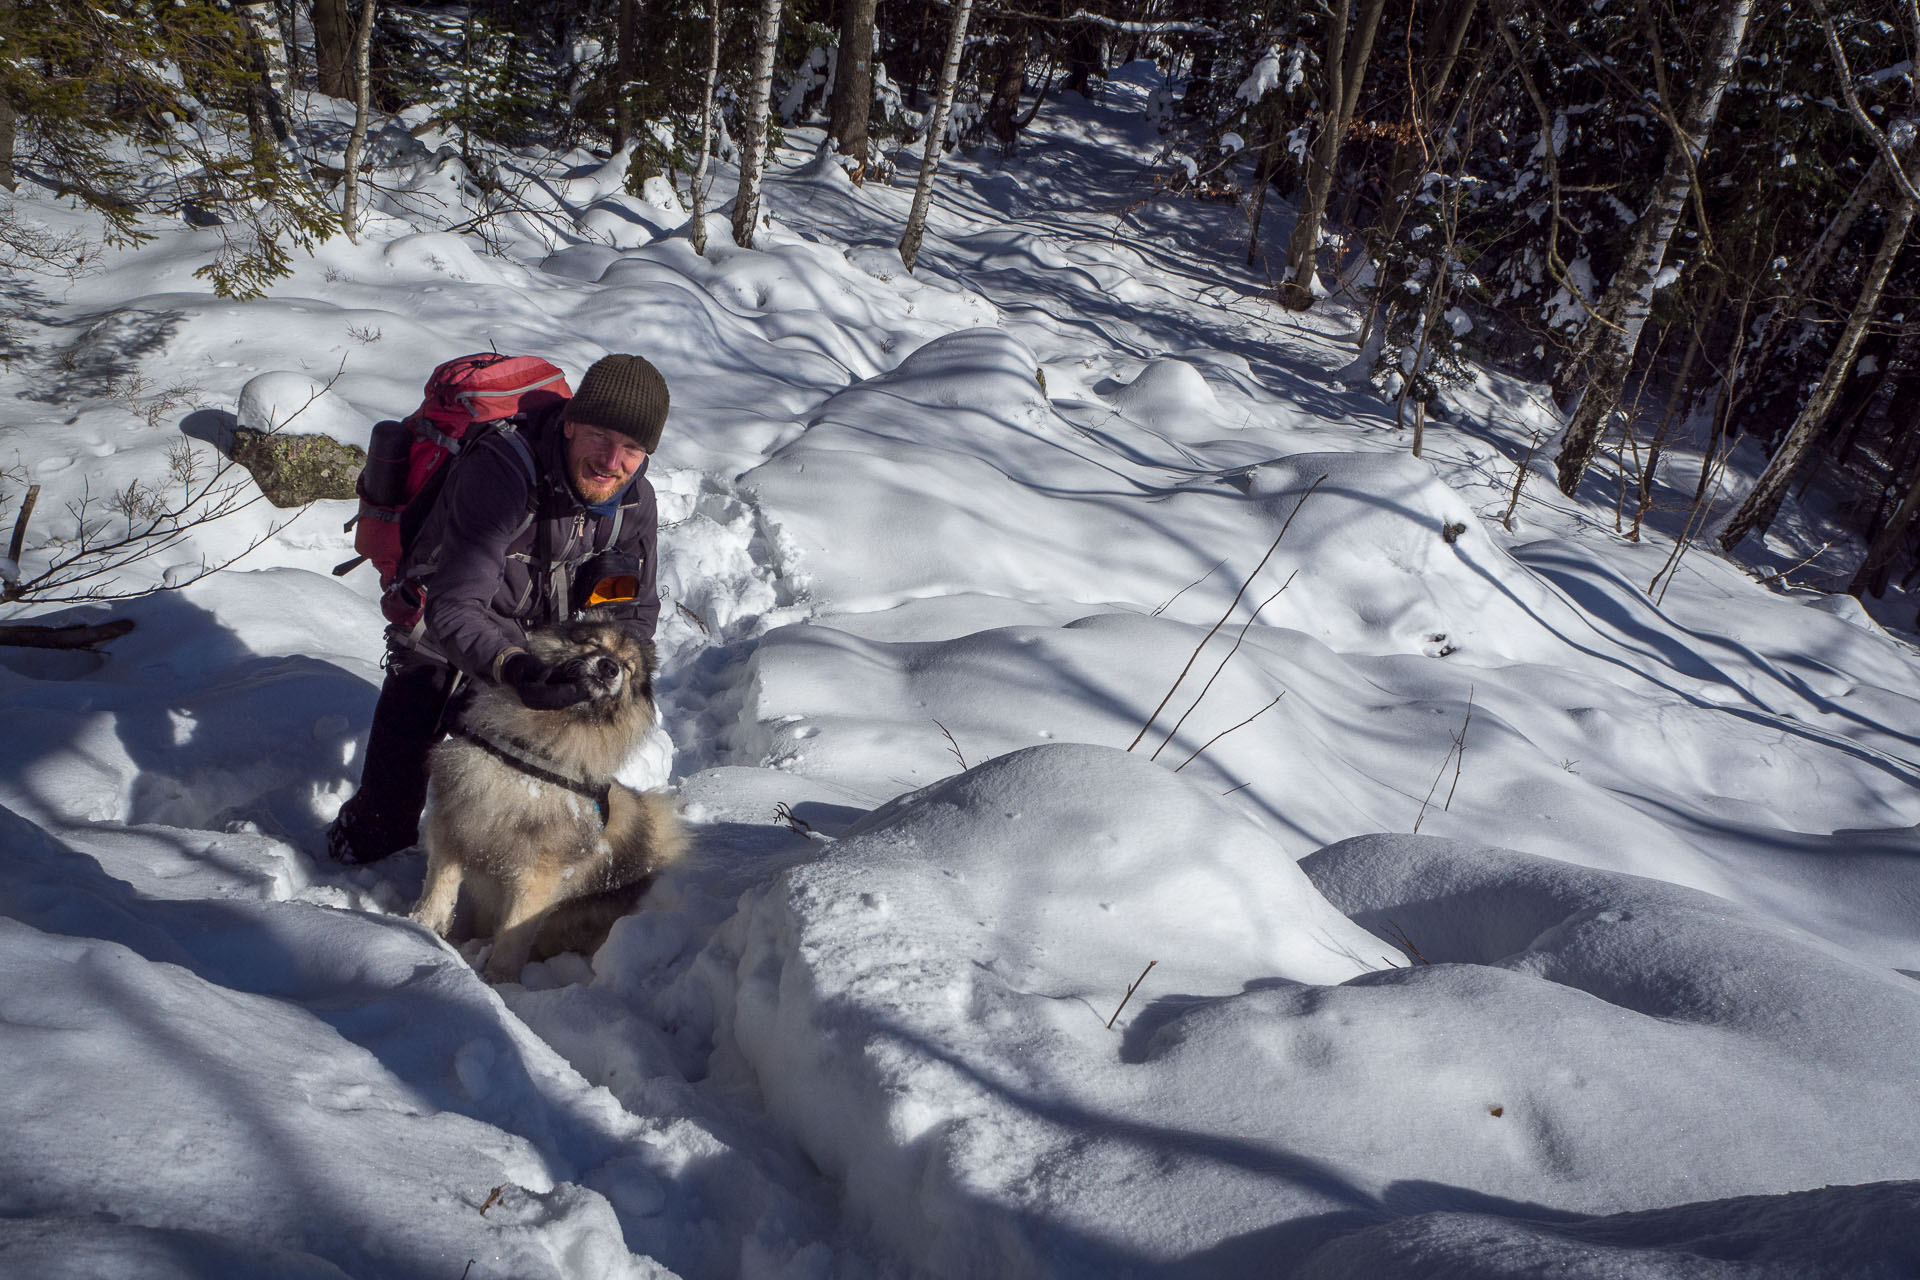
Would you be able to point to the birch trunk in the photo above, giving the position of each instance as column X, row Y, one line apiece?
column 1777, row 324
column 746, row 205
column 1612, row 336
column 1762, row 503
column 357, row 140
column 706, row 132
column 270, row 99
column 1343, row 66
column 936, row 133
column 853, row 80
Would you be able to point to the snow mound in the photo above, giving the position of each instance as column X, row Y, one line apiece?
column 1864, row 1232
column 294, row 402
column 1657, row 949
column 1390, row 559
column 967, row 943
column 229, row 1073
column 1166, row 391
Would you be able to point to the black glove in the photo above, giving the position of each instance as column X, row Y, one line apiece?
column 540, row 687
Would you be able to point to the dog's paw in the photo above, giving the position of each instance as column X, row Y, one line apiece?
column 437, row 922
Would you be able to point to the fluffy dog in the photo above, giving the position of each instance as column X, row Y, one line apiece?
column 525, row 814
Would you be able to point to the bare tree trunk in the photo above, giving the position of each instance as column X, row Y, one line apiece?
column 1411, row 159
column 333, row 47
column 706, row 131
column 1615, row 332
column 936, row 134
column 357, row 140
column 1762, row 503
column 746, row 205
column 853, row 80
column 622, row 77
column 1872, row 575
column 7, row 178
column 1682, row 397
column 1003, row 109
column 1343, row 66
column 1813, row 268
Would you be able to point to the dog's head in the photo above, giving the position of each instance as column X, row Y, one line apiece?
column 617, row 666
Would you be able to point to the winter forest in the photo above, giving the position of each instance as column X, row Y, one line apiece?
column 1515, row 870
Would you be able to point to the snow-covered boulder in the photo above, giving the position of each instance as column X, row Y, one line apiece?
column 927, row 1005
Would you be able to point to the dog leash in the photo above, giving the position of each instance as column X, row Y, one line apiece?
column 522, row 756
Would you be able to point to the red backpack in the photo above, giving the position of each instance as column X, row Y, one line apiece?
column 407, row 460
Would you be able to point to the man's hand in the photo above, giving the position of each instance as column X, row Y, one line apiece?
column 540, row 687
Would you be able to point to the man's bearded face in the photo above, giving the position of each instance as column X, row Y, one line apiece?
column 600, row 462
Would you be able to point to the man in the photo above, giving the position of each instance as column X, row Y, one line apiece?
column 526, row 532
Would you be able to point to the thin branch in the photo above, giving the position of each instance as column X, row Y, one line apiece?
column 1130, row 990
column 1190, row 586
column 1222, row 667
column 953, row 746
column 1224, row 732
column 1456, row 754
column 1231, row 606
column 1859, row 113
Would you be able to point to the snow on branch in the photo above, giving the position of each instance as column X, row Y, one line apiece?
column 1111, row 24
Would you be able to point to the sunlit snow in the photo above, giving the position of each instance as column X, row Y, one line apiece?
column 1057, row 907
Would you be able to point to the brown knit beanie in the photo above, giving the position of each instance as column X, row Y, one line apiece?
column 625, row 394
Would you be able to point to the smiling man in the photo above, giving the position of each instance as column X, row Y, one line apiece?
column 547, row 519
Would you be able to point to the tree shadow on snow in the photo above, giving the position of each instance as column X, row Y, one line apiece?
column 213, row 734
column 320, row 963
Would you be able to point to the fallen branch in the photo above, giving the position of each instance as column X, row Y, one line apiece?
column 19, row 540
column 27, row 635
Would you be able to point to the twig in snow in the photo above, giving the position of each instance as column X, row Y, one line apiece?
column 1398, row 937
column 795, row 823
column 1216, row 675
column 953, row 747
column 698, row 621
column 1456, row 756
column 1224, row 732
column 493, row 1198
column 1130, row 990
column 1190, row 586
column 1231, row 606
column 1781, row 575
column 18, row 542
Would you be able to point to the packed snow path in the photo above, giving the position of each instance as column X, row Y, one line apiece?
column 1639, row 999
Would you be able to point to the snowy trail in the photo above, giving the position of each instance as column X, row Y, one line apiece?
column 934, row 548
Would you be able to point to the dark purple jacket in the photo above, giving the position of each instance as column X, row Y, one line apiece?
column 477, row 548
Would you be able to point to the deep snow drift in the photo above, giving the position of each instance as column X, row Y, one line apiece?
column 1640, row 998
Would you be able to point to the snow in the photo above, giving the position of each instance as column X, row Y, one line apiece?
column 960, row 981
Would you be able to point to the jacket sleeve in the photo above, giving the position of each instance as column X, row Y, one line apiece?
column 640, row 535
column 486, row 508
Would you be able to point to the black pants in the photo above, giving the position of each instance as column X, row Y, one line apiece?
column 383, row 817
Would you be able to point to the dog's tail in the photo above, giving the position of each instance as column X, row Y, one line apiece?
column 667, row 839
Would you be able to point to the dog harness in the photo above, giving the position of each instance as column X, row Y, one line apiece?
column 522, row 756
